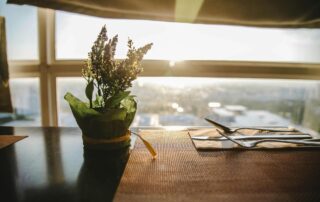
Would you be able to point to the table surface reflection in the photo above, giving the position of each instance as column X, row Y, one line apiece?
column 50, row 165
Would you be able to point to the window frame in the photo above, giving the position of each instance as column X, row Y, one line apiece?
column 48, row 69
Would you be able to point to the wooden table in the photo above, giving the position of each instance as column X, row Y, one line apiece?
column 50, row 165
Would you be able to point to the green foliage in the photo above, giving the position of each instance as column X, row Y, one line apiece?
column 115, row 100
column 89, row 91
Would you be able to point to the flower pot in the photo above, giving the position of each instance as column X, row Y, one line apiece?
column 106, row 118
column 103, row 130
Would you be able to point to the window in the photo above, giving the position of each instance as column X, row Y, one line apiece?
column 64, row 85
column 21, row 31
column 208, row 51
column 26, row 103
column 236, row 102
column 181, row 41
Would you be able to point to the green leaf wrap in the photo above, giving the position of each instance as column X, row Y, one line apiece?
column 107, row 125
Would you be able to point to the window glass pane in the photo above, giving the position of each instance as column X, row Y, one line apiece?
column 235, row 102
column 21, row 31
column 181, row 41
column 75, row 86
column 26, row 102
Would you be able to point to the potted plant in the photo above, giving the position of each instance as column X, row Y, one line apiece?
column 106, row 117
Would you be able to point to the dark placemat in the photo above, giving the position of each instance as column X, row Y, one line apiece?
column 6, row 140
column 227, row 144
column 181, row 173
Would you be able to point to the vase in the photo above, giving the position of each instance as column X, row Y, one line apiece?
column 107, row 130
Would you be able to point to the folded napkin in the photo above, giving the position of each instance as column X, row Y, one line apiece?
column 227, row 144
column 6, row 140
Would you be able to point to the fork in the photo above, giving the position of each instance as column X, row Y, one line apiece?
column 253, row 143
column 233, row 130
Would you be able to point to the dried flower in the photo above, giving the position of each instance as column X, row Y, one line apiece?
column 111, row 77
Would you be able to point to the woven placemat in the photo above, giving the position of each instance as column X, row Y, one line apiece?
column 181, row 173
column 6, row 140
column 227, row 144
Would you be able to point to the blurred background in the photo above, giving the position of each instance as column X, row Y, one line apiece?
column 234, row 74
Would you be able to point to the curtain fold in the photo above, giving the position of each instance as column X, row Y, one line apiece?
column 5, row 98
column 261, row 13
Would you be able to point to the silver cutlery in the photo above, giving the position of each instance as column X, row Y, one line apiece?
column 233, row 130
column 252, row 143
column 254, row 137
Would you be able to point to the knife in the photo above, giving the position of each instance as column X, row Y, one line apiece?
column 254, row 137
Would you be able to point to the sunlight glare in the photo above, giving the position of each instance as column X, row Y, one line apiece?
column 183, row 41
